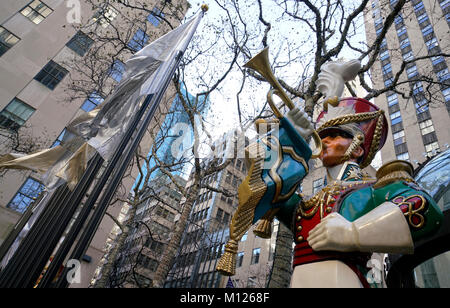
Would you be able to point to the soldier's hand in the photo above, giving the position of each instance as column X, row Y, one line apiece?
column 334, row 232
column 301, row 122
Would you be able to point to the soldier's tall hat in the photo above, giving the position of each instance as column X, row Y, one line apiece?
column 360, row 119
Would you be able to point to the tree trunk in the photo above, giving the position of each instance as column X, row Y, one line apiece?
column 107, row 268
column 174, row 243
column 280, row 275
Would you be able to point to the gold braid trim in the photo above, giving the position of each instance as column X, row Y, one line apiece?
column 356, row 142
column 375, row 141
column 397, row 170
column 351, row 118
column 250, row 193
column 393, row 177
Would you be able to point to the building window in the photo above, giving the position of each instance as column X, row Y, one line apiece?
column 426, row 127
column 422, row 18
column 219, row 214
column 138, row 41
column 432, row 148
column 51, row 75
column 255, row 255
column 404, row 43
column 26, row 195
column 436, row 60
column 398, row 19
column 36, row 11
column 387, row 68
column 399, row 137
column 7, row 40
column 401, row 31
column 403, row 156
column 417, row 88
column 229, row 177
column 80, row 43
column 244, row 237
column 412, row 71
column 59, row 139
column 431, row 43
column 15, row 114
column 378, row 22
column 105, row 16
column 446, row 94
column 152, row 17
column 384, row 55
column 388, row 81
column 239, row 259
column 418, row 6
column 421, row 106
column 396, row 117
column 408, row 56
column 117, row 70
column 444, row 4
column 376, row 12
column 92, row 102
column 443, row 75
column 392, row 100
column 427, row 30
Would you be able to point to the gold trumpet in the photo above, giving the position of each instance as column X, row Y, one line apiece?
column 260, row 63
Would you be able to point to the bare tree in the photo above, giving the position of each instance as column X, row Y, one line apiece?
column 302, row 35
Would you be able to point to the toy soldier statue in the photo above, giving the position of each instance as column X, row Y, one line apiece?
column 336, row 230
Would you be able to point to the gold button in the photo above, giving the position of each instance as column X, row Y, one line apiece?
column 300, row 238
column 299, row 228
column 299, row 217
column 329, row 209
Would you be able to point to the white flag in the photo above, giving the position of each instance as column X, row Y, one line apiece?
column 143, row 75
column 104, row 127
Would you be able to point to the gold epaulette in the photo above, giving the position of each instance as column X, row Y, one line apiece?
column 397, row 170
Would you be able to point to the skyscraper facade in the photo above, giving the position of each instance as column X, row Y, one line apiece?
column 419, row 119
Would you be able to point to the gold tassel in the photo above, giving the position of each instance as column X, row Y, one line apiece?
column 264, row 227
column 250, row 193
column 227, row 263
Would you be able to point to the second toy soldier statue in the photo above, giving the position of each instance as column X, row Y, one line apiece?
column 337, row 229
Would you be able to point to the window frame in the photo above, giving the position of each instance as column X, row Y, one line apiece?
column 5, row 46
column 48, row 77
column 36, row 12
column 80, row 43
column 14, row 117
column 31, row 196
column 93, row 100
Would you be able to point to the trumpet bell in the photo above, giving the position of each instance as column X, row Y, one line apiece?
column 260, row 63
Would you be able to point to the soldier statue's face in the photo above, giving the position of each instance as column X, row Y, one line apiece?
column 335, row 145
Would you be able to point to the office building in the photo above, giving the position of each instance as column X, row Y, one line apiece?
column 43, row 53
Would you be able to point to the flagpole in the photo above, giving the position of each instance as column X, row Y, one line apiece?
column 100, row 210
column 26, row 265
column 103, row 204
column 33, row 253
column 12, row 236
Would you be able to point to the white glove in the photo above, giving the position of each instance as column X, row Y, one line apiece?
column 334, row 232
column 301, row 122
column 384, row 229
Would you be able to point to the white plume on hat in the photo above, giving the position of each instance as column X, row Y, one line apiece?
column 333, row 76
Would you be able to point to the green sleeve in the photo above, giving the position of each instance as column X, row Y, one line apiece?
column 421, row 212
